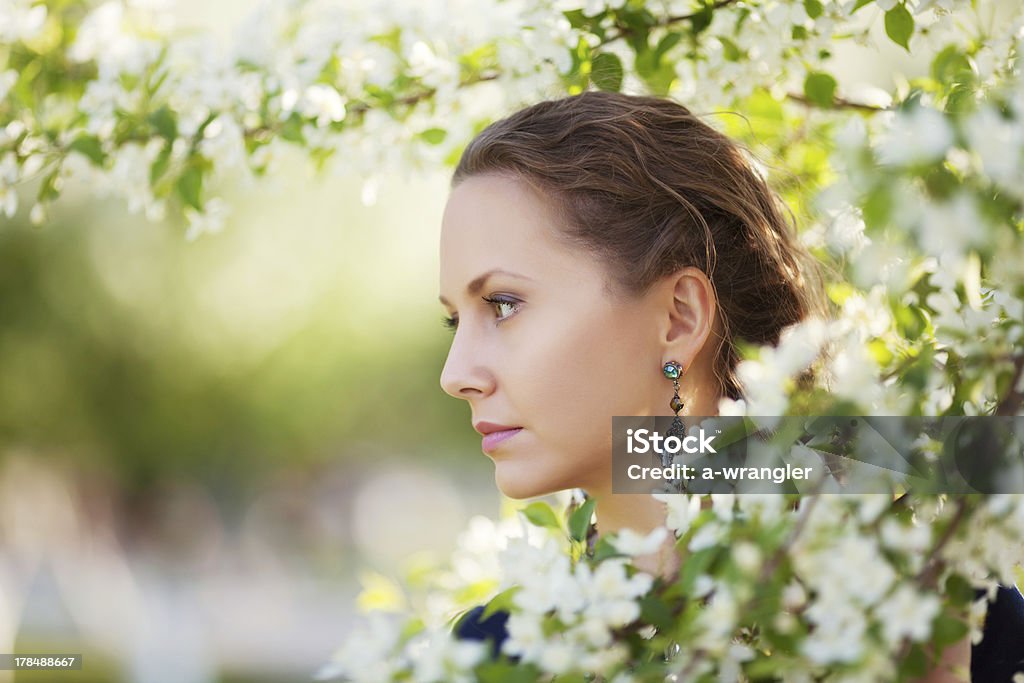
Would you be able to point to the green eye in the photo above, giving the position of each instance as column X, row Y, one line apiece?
column 511, row 305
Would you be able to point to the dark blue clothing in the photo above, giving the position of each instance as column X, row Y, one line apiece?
column 471, row 627
column 995, row 659
column 1000, row 654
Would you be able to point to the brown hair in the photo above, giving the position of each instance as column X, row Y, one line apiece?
column 649, row 188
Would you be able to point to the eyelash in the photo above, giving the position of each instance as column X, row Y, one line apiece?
column 453, row 322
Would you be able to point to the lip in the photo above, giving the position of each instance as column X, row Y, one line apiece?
column 492, row 439
column 486, row 428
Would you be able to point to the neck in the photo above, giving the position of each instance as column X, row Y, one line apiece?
column 617, row 511
column 642, row 514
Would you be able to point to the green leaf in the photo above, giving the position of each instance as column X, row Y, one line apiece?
column 606, row 72
column 654, row 611
column 165, row 122
column 640, row 22
column 899, row 25
column 951, row 66
column 89, row 146
column 916, row 663
column 665, row 44
column 576, row 18
column 160, row 164
column 958, row 590
column 820, row 88
column 911, row 101
column 579, row 522
column 961, row 99
column 540, row 514
column 701, row 19
column 434, row 136
column 320, row 157
column 291, row 129
column 826, row 447
column 695, row 565
column 411, row 628
column 767, row 668
column 453, row 157
column 48, row 189
column 814, row 8
column 730, row 50
column 948, row 630
column 190, row 186
column 506, row 672
column 860, row 3
column 877, row 207
column 571, row 677
column 202, row 126
column 501, row 601
column 603, row 550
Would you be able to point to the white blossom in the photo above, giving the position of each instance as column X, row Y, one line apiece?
column 907, row 612
column 838, row 633
column 948, row 229
column 999, row 143
column 708, row 536
column 918, row 136
column 976, row 619
column 747, row 556
column 210, row 220
column 437, row 657
column 630, row 542
column 868, row 316
column 682, row 509
column 365, row 655
column 913, row 539
column 323, row 103
column 20, row 20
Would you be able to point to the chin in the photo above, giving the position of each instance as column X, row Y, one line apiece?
column 520, row 485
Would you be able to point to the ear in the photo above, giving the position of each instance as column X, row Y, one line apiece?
column 692, row 307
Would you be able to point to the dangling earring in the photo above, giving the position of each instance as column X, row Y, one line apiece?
column 673, row 371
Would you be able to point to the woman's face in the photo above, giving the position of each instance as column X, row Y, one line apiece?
column 539, row 344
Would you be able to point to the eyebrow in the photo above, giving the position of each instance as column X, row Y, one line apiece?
column 477, row 283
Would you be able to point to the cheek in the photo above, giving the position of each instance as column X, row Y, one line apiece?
column 581, row 372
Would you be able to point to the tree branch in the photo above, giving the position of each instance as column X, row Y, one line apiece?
column 837, row 103
column 1011, row 402
column 626, row 31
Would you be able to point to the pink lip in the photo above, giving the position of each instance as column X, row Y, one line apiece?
column 490, row 441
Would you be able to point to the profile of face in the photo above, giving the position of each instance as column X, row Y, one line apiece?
column 540, row 343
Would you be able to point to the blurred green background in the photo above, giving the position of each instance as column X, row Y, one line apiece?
column 204, row 442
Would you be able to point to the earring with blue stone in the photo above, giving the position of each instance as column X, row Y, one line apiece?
column 673, row 371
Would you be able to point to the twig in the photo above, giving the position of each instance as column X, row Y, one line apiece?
column 837, row 103
column 927, row 576
column 930, row 573
column 626, row 31
column 1011, row 402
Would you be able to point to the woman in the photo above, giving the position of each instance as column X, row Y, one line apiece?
column 587, row 242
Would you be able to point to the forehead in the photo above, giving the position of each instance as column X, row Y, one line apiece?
column 499, row 222
column 482, row 207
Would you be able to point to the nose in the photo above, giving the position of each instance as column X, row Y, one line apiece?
column 465, row 374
